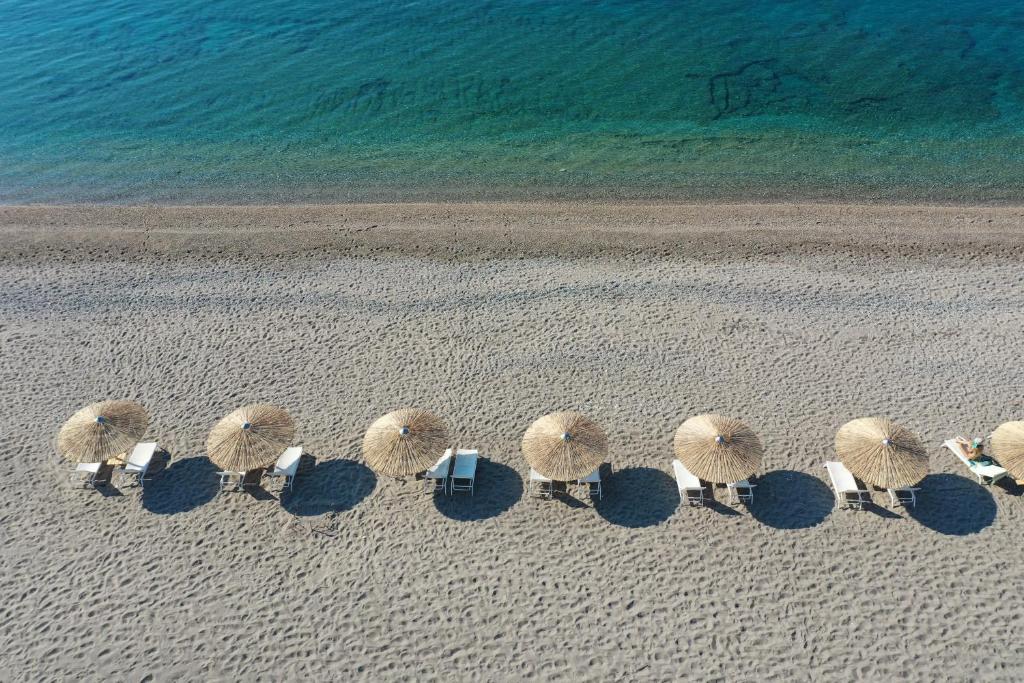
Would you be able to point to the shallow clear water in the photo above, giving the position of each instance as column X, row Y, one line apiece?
column 362, row 99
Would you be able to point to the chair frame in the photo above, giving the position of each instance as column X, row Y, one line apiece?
column 289, row 479
column 435, row 484
column 452, row 479
column 90, row 469
column 903, row 496
column 736, row 496
column 225, row 479
column 542, row 487
column 590, row 488
column 123, row 475
column 843, row 497
column 687, row 493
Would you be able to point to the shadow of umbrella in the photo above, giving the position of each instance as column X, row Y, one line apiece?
column 182, row 486
column 787, row 499
column 637, row 497
column 498, row 487
column 953, row 505
column 331, row 486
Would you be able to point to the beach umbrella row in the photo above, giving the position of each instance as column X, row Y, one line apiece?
column 561, row 446
column 246, row 439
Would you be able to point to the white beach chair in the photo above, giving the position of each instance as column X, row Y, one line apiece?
column 992, row 473
column 591, row 485
column 227, row 476
column 464, row 471
column 689, row 486
column 436, row 478
column 540, row 485
column 137, row 464
column 907, row 496
column 287, row 466
column 742, row 491
column 89, row 470
column 845, row 486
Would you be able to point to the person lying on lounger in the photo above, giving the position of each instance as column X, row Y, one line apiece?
column 975, row 452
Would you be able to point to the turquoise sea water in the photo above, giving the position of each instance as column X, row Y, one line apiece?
column 231, row 101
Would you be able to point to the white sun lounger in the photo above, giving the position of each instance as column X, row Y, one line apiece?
column 227, row 475
column 906, row 496
column 89, row 469
column 845, row 486
column 743, row 491
column 591, row 485
column 287, row 466
column 436, row 478
column 137, row 464
column 540, row 485
column 690, row 488
column 464, row 473
column 992, row 473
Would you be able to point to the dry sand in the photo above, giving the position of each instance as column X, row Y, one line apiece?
column 794, row 318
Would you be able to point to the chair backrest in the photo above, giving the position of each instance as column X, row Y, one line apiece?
column 442, row 463
column 954, row 446
column 465, row 465
column 142, row 454
column 537, row 476
column 289, row 458
column 842, row 479
column 684, row 478
column 467, row 451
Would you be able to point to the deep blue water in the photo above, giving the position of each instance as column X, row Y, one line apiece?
column 362, row 99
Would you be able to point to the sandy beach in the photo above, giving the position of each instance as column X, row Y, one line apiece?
column 792, row 317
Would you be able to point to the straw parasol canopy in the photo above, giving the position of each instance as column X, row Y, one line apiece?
column 405, row 442
column 881, row 453
column 565, row 446
column 102, row 430
column 250, row 437
column 1008, row 447
column 718, row 449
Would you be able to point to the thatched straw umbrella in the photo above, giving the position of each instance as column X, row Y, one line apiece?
column 101, row 431
column 718, row 449
column 1008, row 447
column 565, row 446
column 250, row 437
column 405, row 442
column 881, row 453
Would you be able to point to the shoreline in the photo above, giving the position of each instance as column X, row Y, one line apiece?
column 477, row 230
